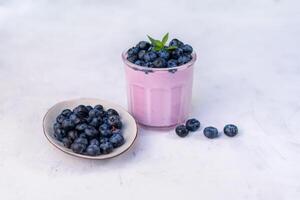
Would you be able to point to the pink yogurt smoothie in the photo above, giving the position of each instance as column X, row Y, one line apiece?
column 158, row 97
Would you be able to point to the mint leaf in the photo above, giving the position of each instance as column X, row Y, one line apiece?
column 152, row 40
column 171, row 48
column 165, row 39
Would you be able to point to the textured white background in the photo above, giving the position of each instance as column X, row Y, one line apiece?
column 248, row 73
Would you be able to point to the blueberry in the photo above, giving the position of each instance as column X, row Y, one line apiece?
column 78, row 147
column 82, row 135
column 163, row 54
column 67, row 124
column 89, row 108
column 132, row 58
column 175, row 42
column 66, row 142
column 92, row 150
column 230, row 130
column 184, row 59
column 105, row 130
column 81, row 140
column 139, row 62
column 192, row 124
column 66, row 112
column 96, row 122
column 59, row 134
column 112, row 112
column 95, row 113
column 99, row 107
column 81, row 127
column 56, row 126
column 143, row 45
column 171, row 63
column 60, row 118
column 103, row 140
column 149, row 64
column 94, row 142
column 141, row 54
column 211, row 132
column 113, row 120
column 116, row 140
column 81, row 111
column 74, row 119
column 72, row 135
column 177, row 53
column 187, row 49
column 181, row 131
column 106, row 147
column 150, row 56
column 91, row 132
column 132, row 51
column 159, row 63
column 105, row 120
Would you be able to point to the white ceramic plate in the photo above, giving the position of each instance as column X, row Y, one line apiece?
column 129, row 126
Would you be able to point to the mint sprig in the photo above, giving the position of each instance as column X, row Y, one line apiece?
column 160, row 44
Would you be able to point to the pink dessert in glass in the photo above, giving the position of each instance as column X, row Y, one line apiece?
column 159, row 97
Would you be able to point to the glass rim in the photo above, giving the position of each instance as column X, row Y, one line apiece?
column 142, row 68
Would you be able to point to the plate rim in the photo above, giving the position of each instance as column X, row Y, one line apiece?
column 86, row 156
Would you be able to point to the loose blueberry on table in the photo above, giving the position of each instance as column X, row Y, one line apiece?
column 211, row 132
column 230, row 130
column 89, row 130
column 157, row 54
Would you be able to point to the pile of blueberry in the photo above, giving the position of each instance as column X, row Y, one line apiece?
column 159, row 55
column 89, row 130
column 210, row 132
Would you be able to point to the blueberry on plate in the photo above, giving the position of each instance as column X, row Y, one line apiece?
column 78, row 147
column 187, row 49
column 99, row 107
column 113, row 120
column 150, row 56
column 72, row 135
column 112, row 112
column 211, row 132
column 82, row 135
column 67, row 124
column 66, row 112
column 106, row 147
column 105, row 130
column 230, row 130
column 116, row 140
column 56, row 126
column 143, row 45
column 74, row 119
column 175, row 42
column 81, row 140
column 159, row 63
column 66, row 142
column 95, row 122
column 93, row 150
column 89, row 108
column 181, row 131
column 60, row 118
column 103, row 140
column 81, row 111
column 172, row 63
column 192, row 124
column 81, row 127
column 91, row 132
column 116, row 130
column 59, row 134
column 94, row 142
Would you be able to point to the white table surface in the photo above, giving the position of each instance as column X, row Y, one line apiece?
column 247, row 73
